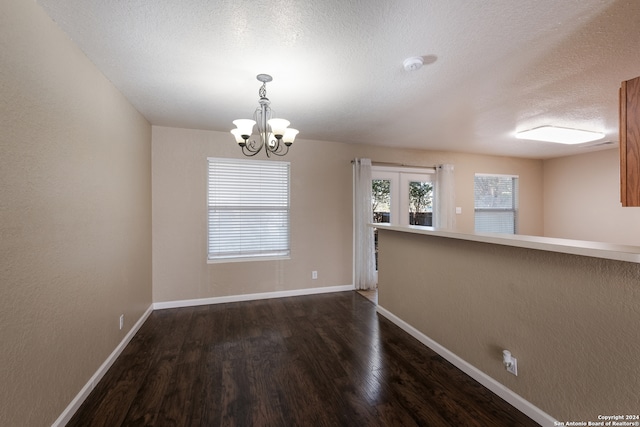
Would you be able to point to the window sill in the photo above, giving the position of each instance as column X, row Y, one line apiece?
column 248, row 259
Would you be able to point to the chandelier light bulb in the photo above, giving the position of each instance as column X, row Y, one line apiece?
column 238, row 135
column 289, row 136
column 245, row 126
column 278, row 126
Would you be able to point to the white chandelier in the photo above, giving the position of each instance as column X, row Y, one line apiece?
column 274, row 134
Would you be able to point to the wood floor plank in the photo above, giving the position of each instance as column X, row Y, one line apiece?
column 321, row 360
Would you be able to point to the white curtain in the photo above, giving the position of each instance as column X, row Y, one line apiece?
column 445, row 198
column 365, row 266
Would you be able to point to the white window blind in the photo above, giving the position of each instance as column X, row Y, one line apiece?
column 248, row 202
column 496, row 203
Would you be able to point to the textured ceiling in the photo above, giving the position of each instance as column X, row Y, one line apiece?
column 491, row 67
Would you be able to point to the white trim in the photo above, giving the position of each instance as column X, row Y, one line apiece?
column 353, row 225
column 248, row 259
column 250, row 297
column 501, row 175
column 70, row 410
column 515, row 400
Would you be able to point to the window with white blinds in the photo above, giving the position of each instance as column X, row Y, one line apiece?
column 496, row 203
column 248, row 203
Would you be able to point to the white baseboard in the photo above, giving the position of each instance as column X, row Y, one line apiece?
column 506, row 394
column 66, row 415
column 250, row 297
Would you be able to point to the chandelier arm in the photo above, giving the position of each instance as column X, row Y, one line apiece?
column 280, row 148
column 248, row 151
column 251, row 146
column 279, row 151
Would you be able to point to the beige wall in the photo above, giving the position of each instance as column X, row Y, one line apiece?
column 320, row 220
column 530, row 183
column 75, row 217
column 582, row 200
column 321, row 212
column 571, row 321
column 465, row 168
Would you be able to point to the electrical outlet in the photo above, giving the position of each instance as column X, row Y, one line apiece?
column 121, row 321
column 314, row 275
column 513, row 367
column 510, row 362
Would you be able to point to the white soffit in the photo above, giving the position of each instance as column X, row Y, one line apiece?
column 490, row 67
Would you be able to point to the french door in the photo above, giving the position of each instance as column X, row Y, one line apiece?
column 402, row 196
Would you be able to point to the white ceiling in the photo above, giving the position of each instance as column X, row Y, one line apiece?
column 491, row 66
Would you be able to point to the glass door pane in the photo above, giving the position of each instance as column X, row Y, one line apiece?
column 420, row 203
column 381, row 200
column 381, row 203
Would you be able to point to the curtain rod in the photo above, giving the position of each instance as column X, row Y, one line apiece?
column 373, row 163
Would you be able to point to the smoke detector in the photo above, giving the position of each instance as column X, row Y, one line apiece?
column 414, row 63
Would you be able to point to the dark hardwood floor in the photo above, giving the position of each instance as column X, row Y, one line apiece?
column 320, row 360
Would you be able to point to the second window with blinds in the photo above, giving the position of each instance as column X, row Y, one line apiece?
column 496, row 203
column 248, row 210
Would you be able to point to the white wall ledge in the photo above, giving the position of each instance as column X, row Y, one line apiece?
column 549, row 244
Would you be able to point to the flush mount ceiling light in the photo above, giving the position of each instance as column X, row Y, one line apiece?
column 559, row 135
column 274, row 134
